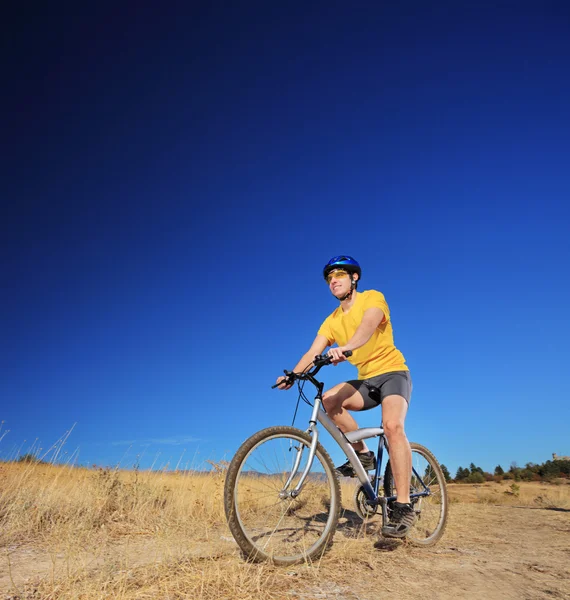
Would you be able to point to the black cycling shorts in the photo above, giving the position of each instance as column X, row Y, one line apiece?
column 375, row 389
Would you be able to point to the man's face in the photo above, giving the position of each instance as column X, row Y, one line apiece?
column 339, row 282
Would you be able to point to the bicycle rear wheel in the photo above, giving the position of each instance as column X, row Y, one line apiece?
column 268, row 524
column 431, row 511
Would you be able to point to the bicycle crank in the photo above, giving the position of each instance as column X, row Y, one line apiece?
column 362, row 506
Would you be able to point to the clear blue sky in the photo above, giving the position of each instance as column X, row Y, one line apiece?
column 175, row 178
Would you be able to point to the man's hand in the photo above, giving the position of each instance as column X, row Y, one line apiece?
column 337, row 355
column 281, row 385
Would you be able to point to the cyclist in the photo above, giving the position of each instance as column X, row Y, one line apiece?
column 362, row 324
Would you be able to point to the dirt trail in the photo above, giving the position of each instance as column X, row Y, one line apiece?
column 21, row 566
column 492, row 552
column 488, row 552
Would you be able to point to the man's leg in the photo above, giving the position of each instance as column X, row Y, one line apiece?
column 394, row 409
column 402, row 516
column 338, row 401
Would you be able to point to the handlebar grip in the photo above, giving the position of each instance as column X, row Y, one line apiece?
column 287, row 381
column 326, row 358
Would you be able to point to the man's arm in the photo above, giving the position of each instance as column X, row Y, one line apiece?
column 373, row 316
column 317, row 347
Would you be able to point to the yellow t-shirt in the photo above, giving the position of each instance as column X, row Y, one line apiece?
column 378, row 355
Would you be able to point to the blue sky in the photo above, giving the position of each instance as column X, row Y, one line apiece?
column 175, row 180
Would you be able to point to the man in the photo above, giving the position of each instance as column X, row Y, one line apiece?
column 362, row 324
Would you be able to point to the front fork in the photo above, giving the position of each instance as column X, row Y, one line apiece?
column 313, row 432
column 285, row 493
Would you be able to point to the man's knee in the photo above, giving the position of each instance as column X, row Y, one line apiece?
column 394, row 409
column 334, row 398
column 394, row 428
column 332, row 401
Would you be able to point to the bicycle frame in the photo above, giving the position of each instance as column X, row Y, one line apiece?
column 295, row 521
column 345, row 441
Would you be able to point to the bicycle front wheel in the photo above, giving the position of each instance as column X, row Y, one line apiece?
column 431, row 510
column 265, row 520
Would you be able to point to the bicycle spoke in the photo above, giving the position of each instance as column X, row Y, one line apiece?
column 273, row 523
column 431, row 508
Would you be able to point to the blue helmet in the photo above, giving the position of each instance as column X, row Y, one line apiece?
column 342, row 262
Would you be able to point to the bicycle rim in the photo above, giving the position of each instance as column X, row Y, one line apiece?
column 271, row 525
column 431, row 511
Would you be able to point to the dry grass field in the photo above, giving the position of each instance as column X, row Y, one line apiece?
column 70, row 533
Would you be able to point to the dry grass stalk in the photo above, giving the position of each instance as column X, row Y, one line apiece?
column 131, row 534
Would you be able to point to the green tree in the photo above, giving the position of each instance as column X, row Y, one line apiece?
column 499, row 470
column 564, row 467
column 445, row 473
column 558, row 466
column 475, row 469
column 429, row 475
column 515, row 471
column 461, row 474
column 549, row 469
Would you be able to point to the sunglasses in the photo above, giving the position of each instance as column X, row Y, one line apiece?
column 336, row 274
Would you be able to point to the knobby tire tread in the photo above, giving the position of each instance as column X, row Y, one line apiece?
column 435, row 465
column 253, row 554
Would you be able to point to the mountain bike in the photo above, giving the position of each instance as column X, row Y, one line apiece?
column 282, row 497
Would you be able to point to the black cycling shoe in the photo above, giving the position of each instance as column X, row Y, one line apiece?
column 367, row 459
column 402, row 519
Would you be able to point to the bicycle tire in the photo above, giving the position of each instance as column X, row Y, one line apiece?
column 431, row 511
column 302, row 536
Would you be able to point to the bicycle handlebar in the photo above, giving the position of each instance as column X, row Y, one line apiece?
column 324, row 359
column 319, row 362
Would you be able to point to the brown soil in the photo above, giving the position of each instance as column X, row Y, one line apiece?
column 488, row 552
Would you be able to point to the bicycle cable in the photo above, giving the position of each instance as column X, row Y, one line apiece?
column 300, row 386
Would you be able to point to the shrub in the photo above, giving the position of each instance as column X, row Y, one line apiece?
column 514, row 490
column 476, row 477
column 30, row 458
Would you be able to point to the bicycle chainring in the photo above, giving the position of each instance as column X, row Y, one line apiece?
column 363, row 508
